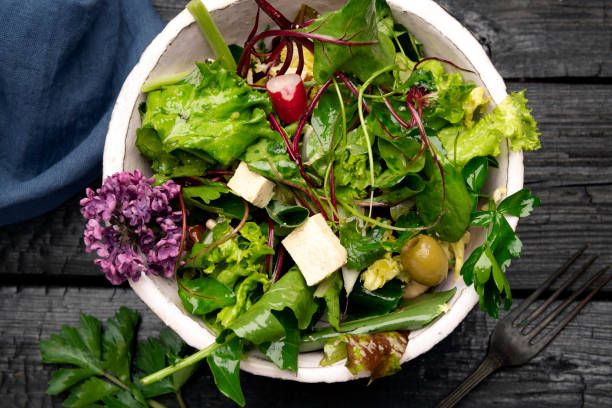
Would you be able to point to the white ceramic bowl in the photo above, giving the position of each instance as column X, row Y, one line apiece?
column 180, row 44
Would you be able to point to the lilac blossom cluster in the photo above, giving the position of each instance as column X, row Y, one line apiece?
column 132, row 226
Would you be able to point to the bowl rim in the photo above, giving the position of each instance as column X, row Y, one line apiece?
column 148, row 287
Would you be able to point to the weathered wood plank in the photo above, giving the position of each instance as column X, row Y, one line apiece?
column 574, row 370
column 571, row 174
column 526, row 39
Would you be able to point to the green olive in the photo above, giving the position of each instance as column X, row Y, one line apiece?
column 424, row 260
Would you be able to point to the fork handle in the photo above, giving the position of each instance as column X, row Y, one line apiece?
column 491, row 363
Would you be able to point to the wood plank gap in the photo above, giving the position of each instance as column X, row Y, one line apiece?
column 76, row 281
column 571, row 80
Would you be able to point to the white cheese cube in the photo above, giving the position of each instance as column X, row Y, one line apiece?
column 315, row 249
column 254, row 188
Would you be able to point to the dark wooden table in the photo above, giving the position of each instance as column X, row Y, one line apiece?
column 561, row 52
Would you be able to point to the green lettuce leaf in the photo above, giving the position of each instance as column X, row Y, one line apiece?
column 510, row 119
column 235, row 273
column 220, row 115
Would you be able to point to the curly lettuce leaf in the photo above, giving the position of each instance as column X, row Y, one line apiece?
column 378, row 353
column 510, row 119
column 235, row 273
column 219, row 115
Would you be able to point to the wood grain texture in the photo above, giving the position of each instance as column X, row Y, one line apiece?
column 525, row 38
column 573, row 371
column 572, row 175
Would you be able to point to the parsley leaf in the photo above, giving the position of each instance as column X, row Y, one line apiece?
column 486, row 266
column 103, row 358
column 519, row 204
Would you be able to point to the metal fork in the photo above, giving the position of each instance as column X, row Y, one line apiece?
column 512, row 345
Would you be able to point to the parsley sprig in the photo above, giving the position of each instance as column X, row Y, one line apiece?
column 107, row 370
column 486, row 266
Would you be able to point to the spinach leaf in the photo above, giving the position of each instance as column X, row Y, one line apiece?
column 258, row 324
column 326, row 125
column 458, row 202
column 364, row 302
column 210, row 294
column 407, row 186
column 398, row 155
column 227, row 205
column 224, row 364
column 288, row 216
column 420, row 312
column 269, row 158
column 220, row 115
column 284, row 351
column 420, row 78
column 357, row 21
column 362, row 249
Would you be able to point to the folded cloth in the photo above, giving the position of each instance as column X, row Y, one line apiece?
column 62, row 64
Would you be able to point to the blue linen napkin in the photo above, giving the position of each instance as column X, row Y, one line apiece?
column 62, row 64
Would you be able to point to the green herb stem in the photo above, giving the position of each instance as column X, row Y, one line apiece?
column 151, row 402
column 154, row 404
column 211, row 33
column 116, row 381
column 158, row 82
column 179, row 398
column 365, row 128
column 374, row 221
column 186, row 362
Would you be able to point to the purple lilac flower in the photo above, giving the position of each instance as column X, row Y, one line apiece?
column 132, row 226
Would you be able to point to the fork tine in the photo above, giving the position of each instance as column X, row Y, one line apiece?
column 552, row 297
column 564, row 305
column 550, row 336
column 525, row 303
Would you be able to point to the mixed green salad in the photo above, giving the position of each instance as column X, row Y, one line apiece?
column 328, row 175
